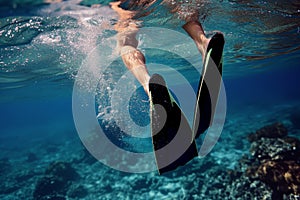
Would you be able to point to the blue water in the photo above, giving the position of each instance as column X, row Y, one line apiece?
column 42, row 47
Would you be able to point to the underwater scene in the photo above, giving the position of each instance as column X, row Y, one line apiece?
column 76, row 124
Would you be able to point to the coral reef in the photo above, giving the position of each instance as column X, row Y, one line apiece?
column 276, row 130
column 275, row 148
column 276, row 160
column 283, row 176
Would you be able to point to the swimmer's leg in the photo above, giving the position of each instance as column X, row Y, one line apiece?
column 196, row 32
column 127, row 44
column 216, row 43
column 134, row 60
column 211, row 76
column 168, row 122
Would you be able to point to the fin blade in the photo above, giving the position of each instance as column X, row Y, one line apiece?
column 207, row 95
column 172, row 136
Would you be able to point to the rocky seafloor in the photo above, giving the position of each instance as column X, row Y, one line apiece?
column 247, row 163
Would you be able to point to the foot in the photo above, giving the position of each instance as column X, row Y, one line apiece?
column 202, row 45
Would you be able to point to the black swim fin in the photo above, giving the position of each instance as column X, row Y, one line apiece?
column 209, row 85
column 172, row 136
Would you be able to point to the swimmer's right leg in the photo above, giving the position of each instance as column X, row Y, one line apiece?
column 196, row 32
column 207, row 95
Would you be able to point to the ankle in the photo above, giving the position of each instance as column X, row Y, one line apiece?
column 202, row 43
column 196, row 32
column 194, row 29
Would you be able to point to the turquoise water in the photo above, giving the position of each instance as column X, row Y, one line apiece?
column 43, row 46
